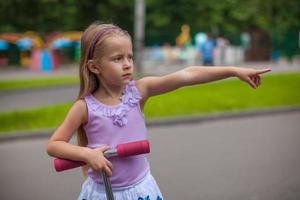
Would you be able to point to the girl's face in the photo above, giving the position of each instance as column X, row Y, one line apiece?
column 116, row 63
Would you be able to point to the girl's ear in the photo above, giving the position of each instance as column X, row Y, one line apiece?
column 93, row 67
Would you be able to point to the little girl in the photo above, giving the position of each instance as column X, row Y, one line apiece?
column 109, row 111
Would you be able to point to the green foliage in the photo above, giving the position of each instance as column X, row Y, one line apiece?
column 62, row 15
column 163, row 17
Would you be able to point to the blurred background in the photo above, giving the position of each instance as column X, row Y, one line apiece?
column 40, row 49
column 44, row 34
column 241, row 143
column 40, row 52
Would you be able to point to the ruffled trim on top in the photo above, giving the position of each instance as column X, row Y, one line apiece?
column 118, row 112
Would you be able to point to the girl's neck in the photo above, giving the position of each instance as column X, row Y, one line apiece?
column 110, row 94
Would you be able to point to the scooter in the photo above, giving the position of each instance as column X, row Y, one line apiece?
column 121, row 150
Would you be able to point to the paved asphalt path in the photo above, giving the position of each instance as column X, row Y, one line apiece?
column 30, row 98
column 254, row 158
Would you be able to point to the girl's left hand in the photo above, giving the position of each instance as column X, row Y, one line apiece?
column 251, row 76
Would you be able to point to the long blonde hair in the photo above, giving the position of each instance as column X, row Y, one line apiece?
column 88, row 81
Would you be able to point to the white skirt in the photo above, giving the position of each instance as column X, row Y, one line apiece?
column 145, row 189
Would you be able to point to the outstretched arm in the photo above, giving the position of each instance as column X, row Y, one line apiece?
column 151, row 86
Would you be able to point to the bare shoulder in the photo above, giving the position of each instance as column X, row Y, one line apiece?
column 140, row 84
column 76, row 116
column 80, row 104
column 80, row 110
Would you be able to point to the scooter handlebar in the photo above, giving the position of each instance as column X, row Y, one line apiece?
column 122, row 150
column 65, row 164
column 133, row 148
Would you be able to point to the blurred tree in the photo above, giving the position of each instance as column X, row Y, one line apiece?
column 163, row 17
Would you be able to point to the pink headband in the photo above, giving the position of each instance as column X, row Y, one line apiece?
column 96, row 38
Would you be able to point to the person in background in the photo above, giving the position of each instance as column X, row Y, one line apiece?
column 207, row 51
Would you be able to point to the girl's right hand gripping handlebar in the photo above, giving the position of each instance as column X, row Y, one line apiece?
column 122, row 150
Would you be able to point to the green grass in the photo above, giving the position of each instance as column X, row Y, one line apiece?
column 37, row 82
column 230, row 95
column 39, row 118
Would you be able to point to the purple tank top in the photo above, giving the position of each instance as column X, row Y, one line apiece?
column 115, row 124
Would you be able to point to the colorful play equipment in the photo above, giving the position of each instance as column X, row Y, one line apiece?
column 3, row 47
column 30, row 50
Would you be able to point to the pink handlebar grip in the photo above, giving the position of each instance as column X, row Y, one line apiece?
column 123, row 150
column 64, row 164
column 133, row 148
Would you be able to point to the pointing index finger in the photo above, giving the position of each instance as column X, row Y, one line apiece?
column 262, row 71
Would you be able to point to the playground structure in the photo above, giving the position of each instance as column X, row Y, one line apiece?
column 30, row 50
column 46, row 54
